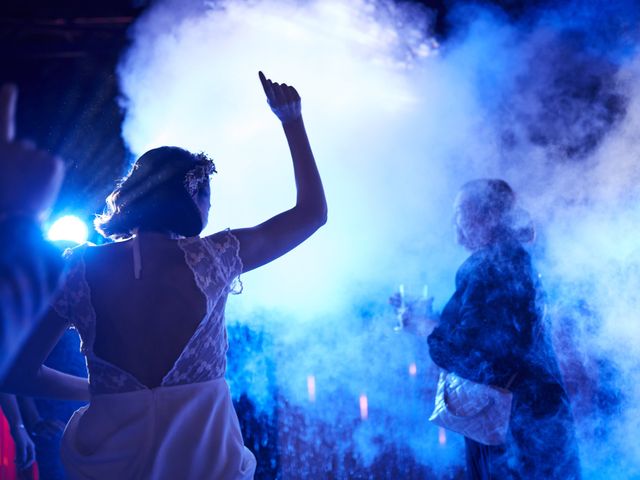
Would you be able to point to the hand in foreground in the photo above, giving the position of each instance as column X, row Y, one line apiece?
column 25, row 448
column 29, row 178
column 415, row 315
column 48, row 428
column 283, row 99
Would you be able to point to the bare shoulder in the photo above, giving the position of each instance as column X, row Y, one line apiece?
column 106, row 255
column 222, row 238
column 107, row 246
column 74, row 253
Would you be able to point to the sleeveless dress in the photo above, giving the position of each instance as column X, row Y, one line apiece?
column 187, row 427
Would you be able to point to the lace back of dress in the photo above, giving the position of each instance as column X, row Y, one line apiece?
column 73, row 302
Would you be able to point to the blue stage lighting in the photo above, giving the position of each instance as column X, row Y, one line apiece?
column 68, row 228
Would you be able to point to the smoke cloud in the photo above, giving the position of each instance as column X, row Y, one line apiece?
column 397, row 121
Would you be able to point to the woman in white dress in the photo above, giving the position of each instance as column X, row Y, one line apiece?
column 150, row 312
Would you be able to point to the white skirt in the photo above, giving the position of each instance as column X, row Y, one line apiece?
column 178, row 432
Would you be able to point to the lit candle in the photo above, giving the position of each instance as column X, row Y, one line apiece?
column 442, row 436
column 364, row 407
column 413, row 369
column 311, row 388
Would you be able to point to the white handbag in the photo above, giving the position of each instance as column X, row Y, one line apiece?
column 477, row 411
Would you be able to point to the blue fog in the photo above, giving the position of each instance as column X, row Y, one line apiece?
column 549, row 101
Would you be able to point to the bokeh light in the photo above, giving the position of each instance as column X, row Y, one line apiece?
column 68, row 228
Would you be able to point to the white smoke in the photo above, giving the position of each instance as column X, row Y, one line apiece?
column 397, row 124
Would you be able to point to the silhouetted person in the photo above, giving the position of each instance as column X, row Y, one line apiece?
column 150, row 312
column 492, row 328
column 29, row 266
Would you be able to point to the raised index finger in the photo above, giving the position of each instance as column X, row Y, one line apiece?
column 8, row 97
column 268, row 90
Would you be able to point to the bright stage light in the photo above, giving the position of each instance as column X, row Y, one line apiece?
column 69, row 228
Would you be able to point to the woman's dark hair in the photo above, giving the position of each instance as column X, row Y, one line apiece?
column 153, row 196
column 495, row 199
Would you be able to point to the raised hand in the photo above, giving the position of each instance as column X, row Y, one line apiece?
column 283, row 99
column 285, row 231
column 8, row 100
column 29, row 178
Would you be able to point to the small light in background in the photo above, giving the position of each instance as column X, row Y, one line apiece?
column 364, row 407
column 413, row 369
column 311, row 387
column 68, row 228
column 442, row 436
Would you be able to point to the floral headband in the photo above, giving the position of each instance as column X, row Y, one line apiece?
column 199, row 175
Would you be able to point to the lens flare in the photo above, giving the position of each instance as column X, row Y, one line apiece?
column 68, row 228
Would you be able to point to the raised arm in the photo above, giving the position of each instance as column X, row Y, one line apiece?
column 280, row 234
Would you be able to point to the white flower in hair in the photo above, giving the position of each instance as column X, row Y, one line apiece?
column 199, row 175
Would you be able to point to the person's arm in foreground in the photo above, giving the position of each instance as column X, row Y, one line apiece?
column 25, row 448
column 280, row 234
column 29, row 266
column 29, row 377
column 37, row 426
